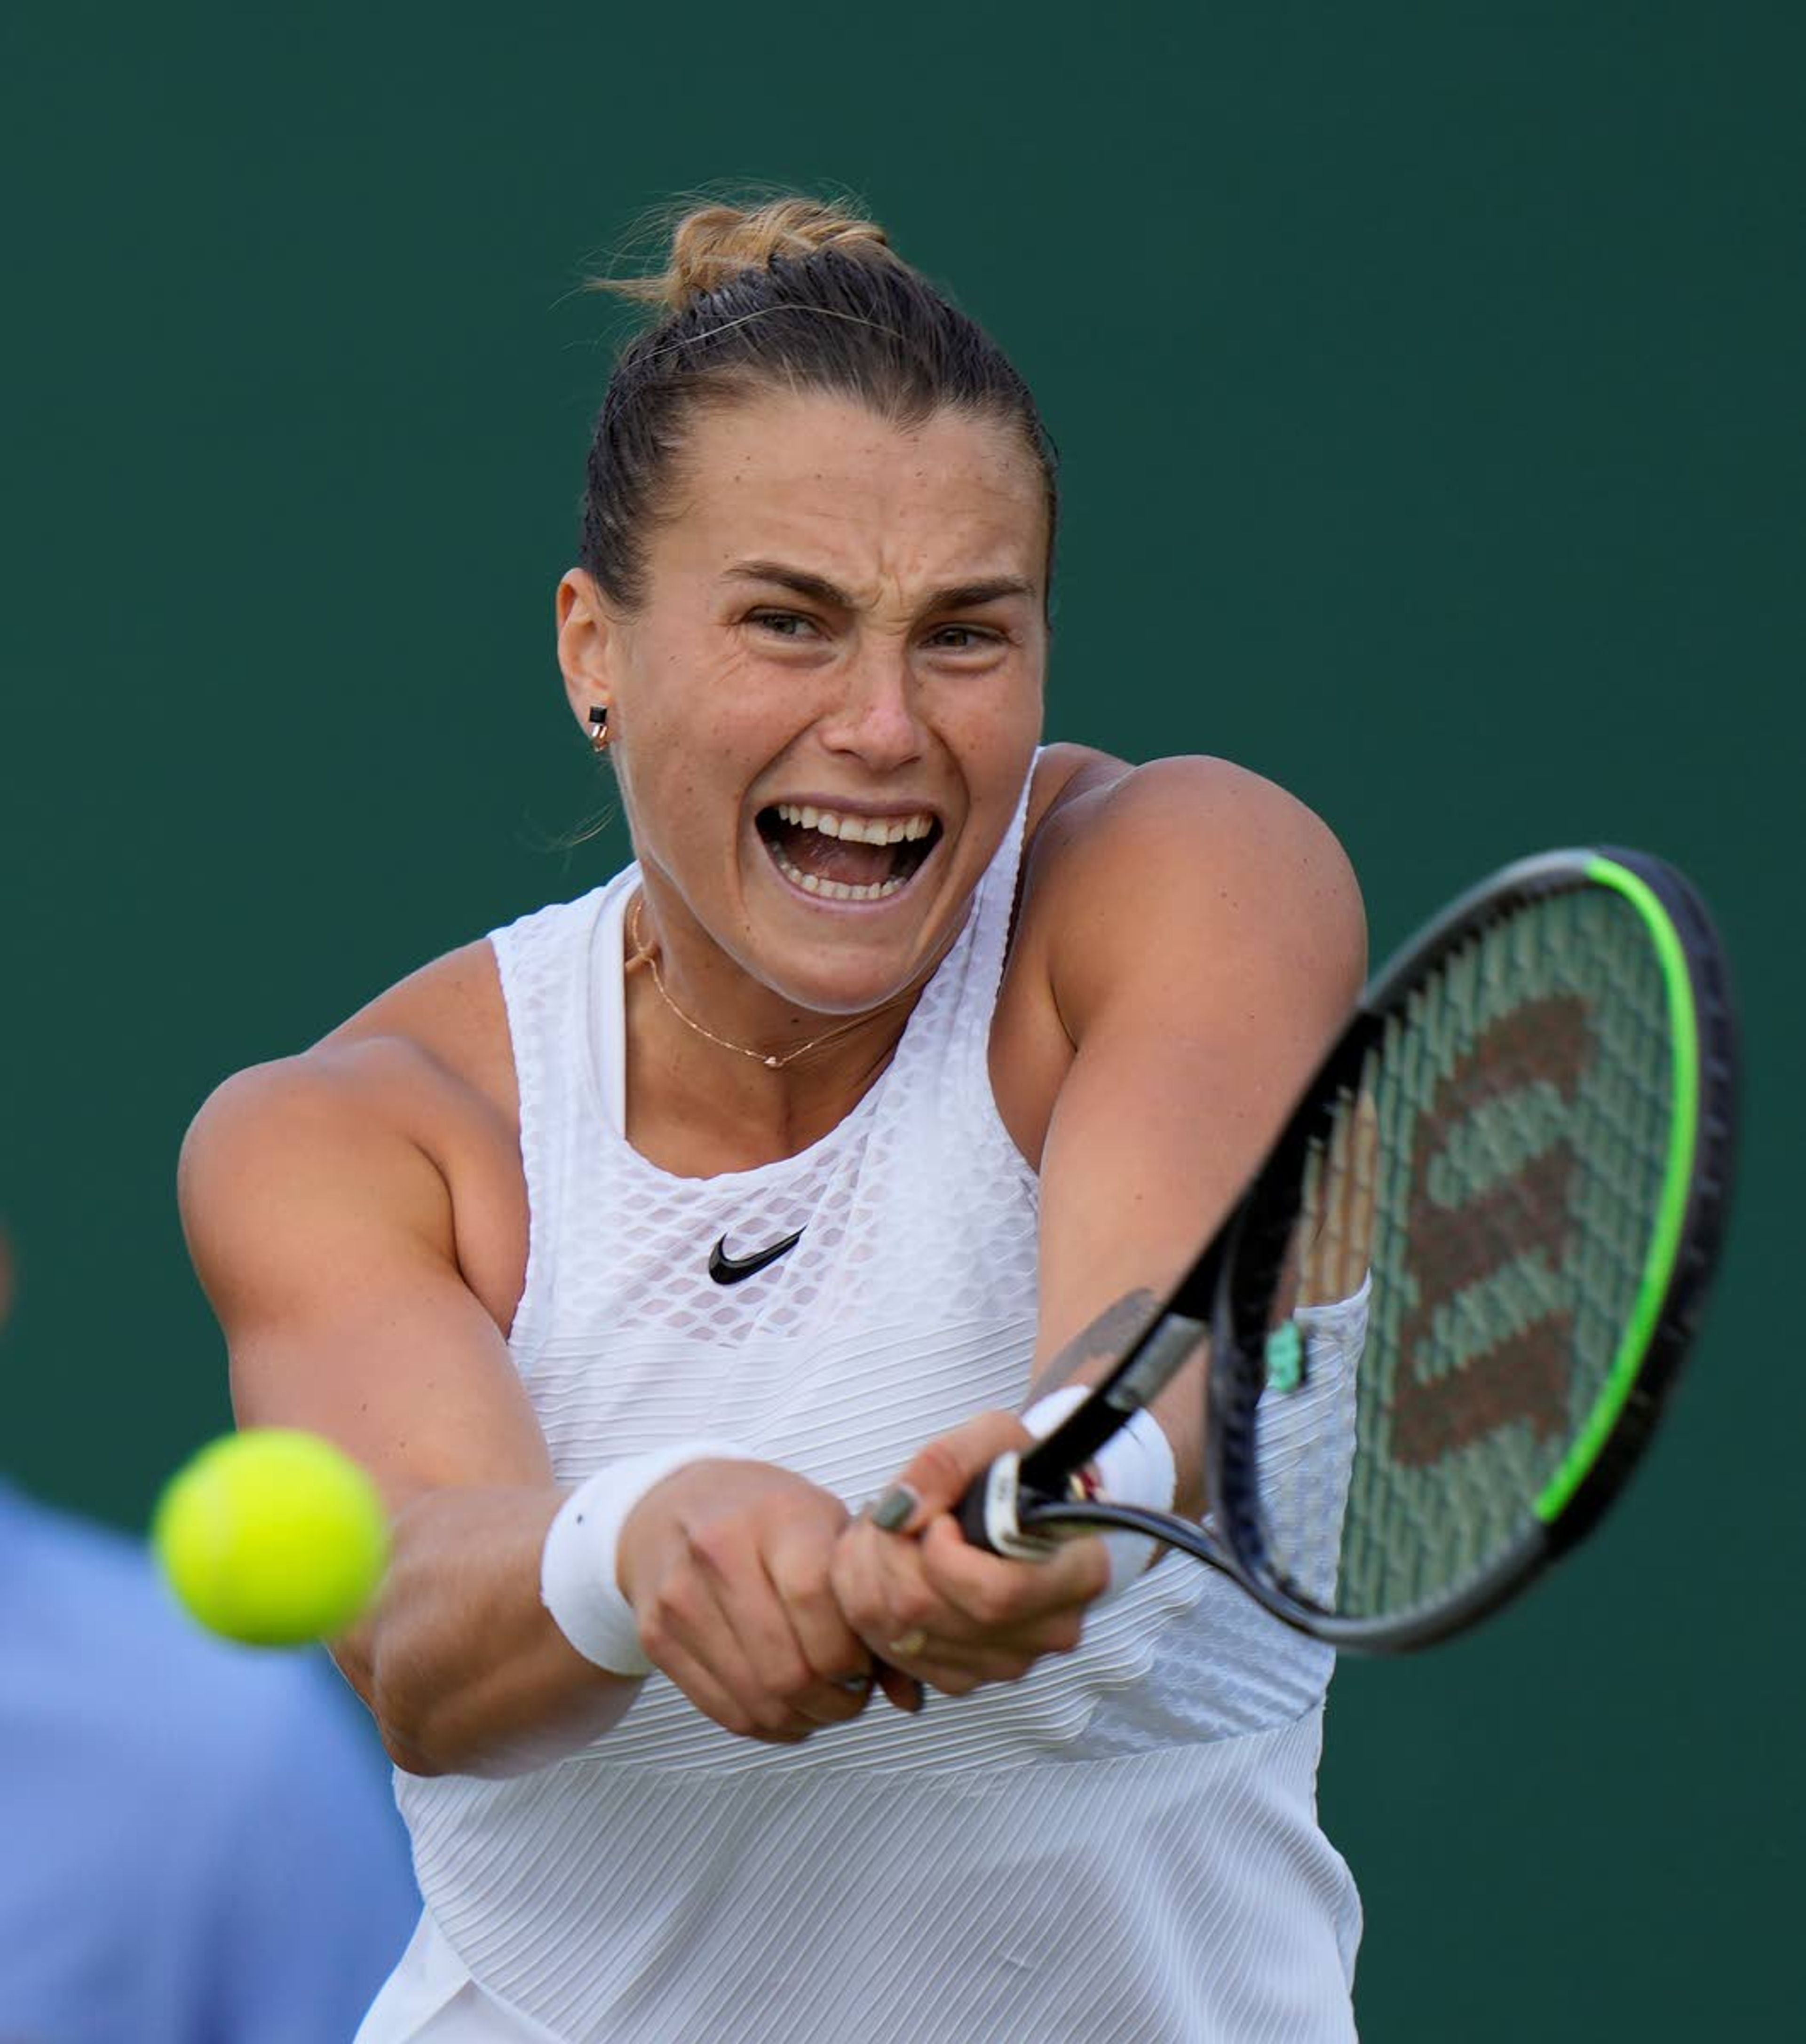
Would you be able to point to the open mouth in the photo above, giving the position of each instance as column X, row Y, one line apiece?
column 846, row 858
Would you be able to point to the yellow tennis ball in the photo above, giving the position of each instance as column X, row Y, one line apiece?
column 272, row 1536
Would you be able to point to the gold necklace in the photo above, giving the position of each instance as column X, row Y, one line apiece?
column 771, row 1063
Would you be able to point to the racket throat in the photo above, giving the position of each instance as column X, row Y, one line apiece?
column 1167, row 1346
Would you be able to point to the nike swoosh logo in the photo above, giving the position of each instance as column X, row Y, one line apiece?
column 726, row 1270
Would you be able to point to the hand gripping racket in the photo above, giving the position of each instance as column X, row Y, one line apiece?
column 1522, row 1140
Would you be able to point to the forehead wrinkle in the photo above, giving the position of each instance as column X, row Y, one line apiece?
column 876, row 513
column 947, row 596
column 929, row 544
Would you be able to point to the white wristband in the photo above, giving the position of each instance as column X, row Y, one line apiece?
column 578, row 1582
column 1134, row 1466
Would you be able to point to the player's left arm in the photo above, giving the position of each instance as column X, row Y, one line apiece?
column 1195, row 935
column 1203, row 940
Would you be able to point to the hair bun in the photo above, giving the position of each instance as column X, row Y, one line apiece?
column 716, row 243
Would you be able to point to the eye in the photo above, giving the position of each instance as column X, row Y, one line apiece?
column 965, row 639
column 783, row 624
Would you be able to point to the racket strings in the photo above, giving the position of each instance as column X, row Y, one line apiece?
column 1498, row 1169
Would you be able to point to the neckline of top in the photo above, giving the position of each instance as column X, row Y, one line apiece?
column 604, row 1018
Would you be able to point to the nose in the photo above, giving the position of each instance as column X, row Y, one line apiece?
column 876, row 719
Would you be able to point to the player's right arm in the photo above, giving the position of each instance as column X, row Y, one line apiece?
column 324, row 1228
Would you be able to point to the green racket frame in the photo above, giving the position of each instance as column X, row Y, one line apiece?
column 1231, row 1288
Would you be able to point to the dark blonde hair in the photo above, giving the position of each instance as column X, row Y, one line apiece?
column 792, row 294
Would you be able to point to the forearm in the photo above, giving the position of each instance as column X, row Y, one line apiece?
column 1090, row 1356
column 462, row 1666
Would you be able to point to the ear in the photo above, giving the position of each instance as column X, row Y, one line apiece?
column 588, row 635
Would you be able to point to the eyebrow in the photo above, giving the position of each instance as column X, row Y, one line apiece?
column 958, row 596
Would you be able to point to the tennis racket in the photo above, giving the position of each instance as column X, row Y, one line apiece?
column 1517, row 1157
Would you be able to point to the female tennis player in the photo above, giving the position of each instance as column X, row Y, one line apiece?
column 636, row 1247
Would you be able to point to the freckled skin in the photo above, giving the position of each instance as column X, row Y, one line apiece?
column 727, row 694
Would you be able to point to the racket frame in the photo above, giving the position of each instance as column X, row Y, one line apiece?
column 1229, row 1287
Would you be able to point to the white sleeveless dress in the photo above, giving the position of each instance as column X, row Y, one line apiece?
column 1122, row 1848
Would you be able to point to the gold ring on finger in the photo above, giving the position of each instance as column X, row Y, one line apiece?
column 909, row 1646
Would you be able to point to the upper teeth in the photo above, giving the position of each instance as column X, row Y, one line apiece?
column 860, row 830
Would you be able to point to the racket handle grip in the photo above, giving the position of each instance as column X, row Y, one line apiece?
column 987, row 1514
column 971, row 1514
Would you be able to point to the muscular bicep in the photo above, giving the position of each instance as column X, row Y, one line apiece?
column 1206, row 939
column 325, row 1238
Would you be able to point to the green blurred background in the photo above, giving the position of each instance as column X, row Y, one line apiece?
column 1428, row 379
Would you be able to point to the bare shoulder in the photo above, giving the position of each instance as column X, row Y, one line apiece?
column 1063, row 773
column 415, row 1063
column 1190, row 860
column 406, row 1114
column 450, row 1015
column 1185, row 906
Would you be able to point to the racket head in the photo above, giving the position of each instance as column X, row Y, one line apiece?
column 1526, row 1135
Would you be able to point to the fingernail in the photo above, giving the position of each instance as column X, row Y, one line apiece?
column 892, row 1511
column 905, row 1691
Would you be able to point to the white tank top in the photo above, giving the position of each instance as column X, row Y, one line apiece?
column 1122, row 1846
